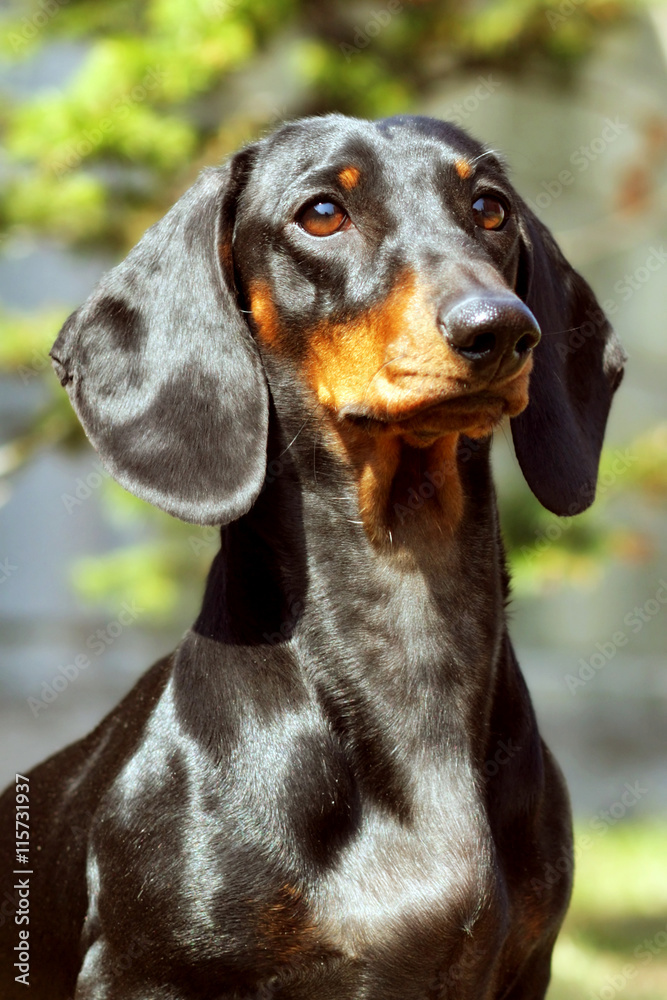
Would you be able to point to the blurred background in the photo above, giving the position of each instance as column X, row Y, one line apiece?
column 107, row 112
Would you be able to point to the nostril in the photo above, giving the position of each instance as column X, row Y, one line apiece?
column 526, row 343
column 484, row 343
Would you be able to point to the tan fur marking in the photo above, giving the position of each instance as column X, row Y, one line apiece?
column 392, row 359
column 264, row 313
column 226, row 259
column 444, row 473
column 392, row 369
column 387, row 492
column 285, row 927
column 349, row 177
column 463, row 169
column 375, row 462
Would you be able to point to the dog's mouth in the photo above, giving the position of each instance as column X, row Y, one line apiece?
column 475, row 413
column 407, row 433
column 450, row 416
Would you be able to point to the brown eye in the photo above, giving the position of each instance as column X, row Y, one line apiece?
column 323, row 218
column 489, row 213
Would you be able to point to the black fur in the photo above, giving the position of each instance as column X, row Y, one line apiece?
column 335, row 787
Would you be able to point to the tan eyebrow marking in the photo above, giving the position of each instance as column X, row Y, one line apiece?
column 463, row 169
column 349, row 177
column 264, row 312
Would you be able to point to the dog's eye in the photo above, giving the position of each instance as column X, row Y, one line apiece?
column 489, row 213
column 323, row 218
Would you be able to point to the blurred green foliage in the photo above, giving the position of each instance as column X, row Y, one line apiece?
column 159, row 88
column 614, row 938
column 547, row 551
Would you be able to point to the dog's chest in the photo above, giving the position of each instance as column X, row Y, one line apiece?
column 418, row 889
column 285, row 868
column 402, row 914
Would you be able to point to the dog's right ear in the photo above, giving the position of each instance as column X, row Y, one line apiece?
column 161, row 368
column 578, row 366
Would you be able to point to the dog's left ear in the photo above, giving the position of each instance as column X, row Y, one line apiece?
column 161, row 367
column 578, row 365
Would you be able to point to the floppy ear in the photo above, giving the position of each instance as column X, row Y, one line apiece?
column 162, row 370
column 578, row 365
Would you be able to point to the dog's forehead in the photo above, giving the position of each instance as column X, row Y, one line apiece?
column 397, row 148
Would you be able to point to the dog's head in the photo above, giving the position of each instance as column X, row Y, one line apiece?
column 390, row 268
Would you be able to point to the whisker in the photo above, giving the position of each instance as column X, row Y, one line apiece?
column 398, row 357
column 316, row 437
column 557, row 333
column 294, row 438
column 487, row 152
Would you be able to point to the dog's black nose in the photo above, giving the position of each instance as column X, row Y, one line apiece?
column 491, row 331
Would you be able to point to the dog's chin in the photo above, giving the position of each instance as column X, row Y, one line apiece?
column 475, row 415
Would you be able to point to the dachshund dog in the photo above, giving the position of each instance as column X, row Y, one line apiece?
column 334, row 789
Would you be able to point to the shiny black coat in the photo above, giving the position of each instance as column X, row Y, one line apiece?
column 335, row 787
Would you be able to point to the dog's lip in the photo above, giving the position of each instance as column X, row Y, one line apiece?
column 430, row 398
column 485, row 402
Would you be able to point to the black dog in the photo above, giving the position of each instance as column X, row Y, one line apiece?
column 334, row 789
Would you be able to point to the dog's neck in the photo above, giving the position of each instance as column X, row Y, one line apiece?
column 299, row 580
column 304, row 556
